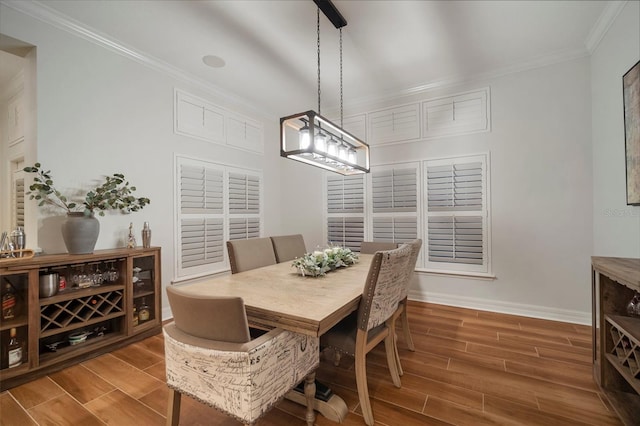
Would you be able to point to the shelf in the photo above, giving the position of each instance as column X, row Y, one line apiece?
column 73, row 313
column 625, row 404
column 625, row 355
column 143, row 293
column 73, row 293
column 20, row 321
column 72, row 350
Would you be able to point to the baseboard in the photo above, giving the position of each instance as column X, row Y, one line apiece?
column 533, row 311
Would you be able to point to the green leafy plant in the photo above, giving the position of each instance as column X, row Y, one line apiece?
column 320, row 262
column 112, row 194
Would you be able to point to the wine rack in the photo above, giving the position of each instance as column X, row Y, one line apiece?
column 80, row 311
column 625, row 355
column 93, row 315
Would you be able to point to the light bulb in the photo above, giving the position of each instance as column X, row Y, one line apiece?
column 352, row 156
column 332, row 148
column 342, row 152
column 304, row 138
column 321, row 142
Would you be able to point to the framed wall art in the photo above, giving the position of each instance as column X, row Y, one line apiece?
column 631, row 96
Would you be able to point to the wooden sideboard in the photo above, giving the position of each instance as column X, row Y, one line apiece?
column 121, row 305
column 616, row 334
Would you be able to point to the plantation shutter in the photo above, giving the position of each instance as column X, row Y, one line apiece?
column 244, row 194
column 345, row 210
column 459, row 114
column 201, row 215
column 244, row 205
column 457, row 213
column 394, row 203
column 18, row 202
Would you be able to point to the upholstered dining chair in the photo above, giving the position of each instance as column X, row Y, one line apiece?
column 250, row 254
column 373, row 322
column 209, row 356
column 288, row 247
column 401, row 312
column 370, row 247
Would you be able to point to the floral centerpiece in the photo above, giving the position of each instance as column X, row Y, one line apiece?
column 320, row 262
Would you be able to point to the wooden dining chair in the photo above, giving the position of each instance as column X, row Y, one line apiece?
column 373, row 322
column 251, row 253
column 209, row 356
column 401, row 312
column 288, row 247
column 370, row 247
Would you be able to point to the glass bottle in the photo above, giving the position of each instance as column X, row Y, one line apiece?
column 135, row 316
column 632, row 306
column 14, row 350
column 144, row 312
column 8, row 303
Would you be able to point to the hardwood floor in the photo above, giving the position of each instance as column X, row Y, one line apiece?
column 469, row 368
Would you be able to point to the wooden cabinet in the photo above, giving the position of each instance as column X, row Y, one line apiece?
column 616, row 334
column 98, row 311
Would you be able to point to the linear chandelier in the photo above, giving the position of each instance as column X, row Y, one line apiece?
column 310, row 138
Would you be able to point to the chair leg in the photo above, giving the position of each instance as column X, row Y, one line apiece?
column 173, row 408
column 404, row 318
column 392, row 358
column 397, row 355
column 361, row 377
column 310, row 395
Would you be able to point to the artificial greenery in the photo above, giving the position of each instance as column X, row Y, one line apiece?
column 320, row 262
column 113, row 194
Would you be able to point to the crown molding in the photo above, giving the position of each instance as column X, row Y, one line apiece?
column 40, row 11
column 604, row 22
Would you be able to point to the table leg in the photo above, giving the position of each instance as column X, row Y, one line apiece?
column 334, row 409
column 310, row 395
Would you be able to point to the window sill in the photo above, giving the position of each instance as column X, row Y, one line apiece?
column 198, row 277
column 460, row 274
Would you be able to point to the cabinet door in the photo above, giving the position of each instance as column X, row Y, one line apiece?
column 145, row 293
column 14, row 292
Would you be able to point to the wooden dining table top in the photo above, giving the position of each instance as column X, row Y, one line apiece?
column 278, row 296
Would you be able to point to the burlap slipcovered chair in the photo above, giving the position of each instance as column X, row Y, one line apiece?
column 210, row 357
column 373, row 322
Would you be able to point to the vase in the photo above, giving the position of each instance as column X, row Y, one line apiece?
column 80, row 232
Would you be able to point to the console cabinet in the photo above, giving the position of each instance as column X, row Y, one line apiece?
column 112, row 298
column 616, row 334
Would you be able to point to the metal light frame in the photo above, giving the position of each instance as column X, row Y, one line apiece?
column 310, row 138
column 317, row 155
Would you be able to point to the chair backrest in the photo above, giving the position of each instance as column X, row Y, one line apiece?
column 250, row 254
column 222, row 319
column 370, row 247
column 416, row 245
column 288, row 247
column 384, row 286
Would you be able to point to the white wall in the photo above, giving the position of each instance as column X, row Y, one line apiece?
column 616, row 226
column 100, row 112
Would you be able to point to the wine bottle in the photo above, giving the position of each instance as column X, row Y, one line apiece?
column 14, row 350
column 8, row 303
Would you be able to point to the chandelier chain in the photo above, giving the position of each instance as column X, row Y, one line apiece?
column 341, row 109
column 318, row 25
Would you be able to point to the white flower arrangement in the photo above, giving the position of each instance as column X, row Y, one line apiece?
column 320, row 262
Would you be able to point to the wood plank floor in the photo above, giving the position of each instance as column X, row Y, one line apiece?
column 469, row 368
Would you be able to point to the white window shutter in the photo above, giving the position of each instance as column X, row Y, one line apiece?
column 345, row 194
column 202, row 242
column 201, row 190
column 346, row 232
column 244, row 194
column 18, row 201
column 394, row 190
column 457, row 234
column 394, row 124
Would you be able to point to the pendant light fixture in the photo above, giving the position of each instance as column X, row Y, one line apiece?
column 311, row 138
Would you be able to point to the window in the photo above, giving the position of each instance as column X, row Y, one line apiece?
column 444, row 202
column 394, row 202
column 457, row 115
column 17, row 193
column 345, row 210
column 215, row 203
column 457, row 214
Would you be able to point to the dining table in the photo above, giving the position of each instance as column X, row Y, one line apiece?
column 278, row 296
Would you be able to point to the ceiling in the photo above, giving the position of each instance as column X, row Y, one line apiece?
column 390, row 47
